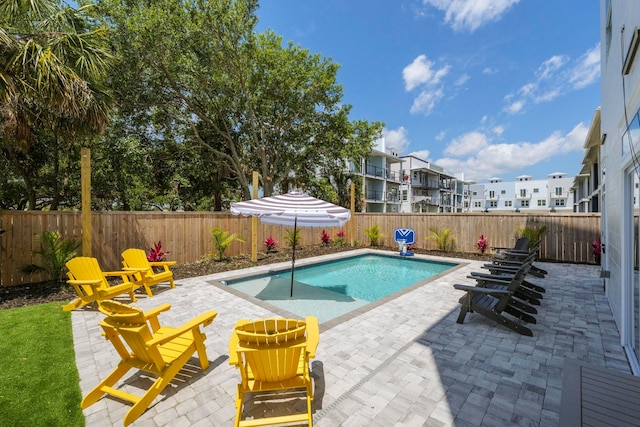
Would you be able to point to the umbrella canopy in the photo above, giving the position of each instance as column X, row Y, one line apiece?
column 287, row 208
column 293, row 209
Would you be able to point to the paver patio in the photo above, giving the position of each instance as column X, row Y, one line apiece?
column 404, row 362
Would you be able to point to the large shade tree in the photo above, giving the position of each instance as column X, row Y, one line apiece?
column 197, row 72
column 53, row 67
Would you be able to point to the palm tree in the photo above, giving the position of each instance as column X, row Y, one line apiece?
column 54, row 63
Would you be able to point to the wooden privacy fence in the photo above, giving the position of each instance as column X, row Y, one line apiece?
column 187, row 235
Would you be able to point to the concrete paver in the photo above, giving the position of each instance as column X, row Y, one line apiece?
column 402, row 362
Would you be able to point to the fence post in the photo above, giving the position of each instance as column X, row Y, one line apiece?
column 85, row 167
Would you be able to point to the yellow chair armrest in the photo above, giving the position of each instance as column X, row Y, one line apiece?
column 204, row 319
column 313, row 335
column 89, row 282
column 155, row 311
column 162, row 263
column 233, row 343
column 134, row 269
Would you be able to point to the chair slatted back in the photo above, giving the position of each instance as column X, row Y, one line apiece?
column 273, row 348
column 86, row 268
column 129, row 332
column 516, row 281
column 136, row 258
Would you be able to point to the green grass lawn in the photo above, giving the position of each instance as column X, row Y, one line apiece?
column 38, row 375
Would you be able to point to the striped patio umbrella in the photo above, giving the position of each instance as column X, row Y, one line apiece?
column 294, row 209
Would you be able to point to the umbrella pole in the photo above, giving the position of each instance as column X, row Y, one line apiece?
column 293, row 253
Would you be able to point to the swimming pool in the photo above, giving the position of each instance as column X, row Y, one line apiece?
column 331, row 289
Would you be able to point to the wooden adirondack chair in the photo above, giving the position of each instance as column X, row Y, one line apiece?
column 273, row 355
column 89, row 282
column 494, row 303
column 141, row 269
column 143, row 344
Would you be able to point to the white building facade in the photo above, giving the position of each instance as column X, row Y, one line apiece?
column 525, row 194
column 619, row 160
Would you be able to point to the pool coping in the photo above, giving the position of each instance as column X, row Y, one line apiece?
column 282, row 266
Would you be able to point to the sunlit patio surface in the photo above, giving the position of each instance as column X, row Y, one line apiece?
column 402, row 362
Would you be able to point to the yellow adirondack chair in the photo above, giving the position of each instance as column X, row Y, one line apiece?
column 142, row 274
column 143, row 344
column 273, row 355
column 89, row 282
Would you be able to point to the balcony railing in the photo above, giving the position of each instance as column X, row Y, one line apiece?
column 523, row 196
column 383, row 173
column 381, row 196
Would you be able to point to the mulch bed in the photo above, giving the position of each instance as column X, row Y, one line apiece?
column 44, row 292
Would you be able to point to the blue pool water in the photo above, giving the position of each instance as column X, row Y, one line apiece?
column 331, row 289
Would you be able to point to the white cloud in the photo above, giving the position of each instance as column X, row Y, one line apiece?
column 470, row 15
column 396, row 138
column 426, row 101
column 498, row 130
column 515, row 107
column 440, row 136
column 421, row 72
column 550, row 66
column 489, row 71
column 462, row 80
column 587, row 71
column 466, row 144
column 555, row 77
column 422, row 154
column 497, row 159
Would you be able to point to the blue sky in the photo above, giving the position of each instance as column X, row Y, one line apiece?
column 484, row 87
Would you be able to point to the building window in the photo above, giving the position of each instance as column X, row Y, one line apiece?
column 559, row 202
column 536, row 190
column 525, row 204
column 493, row 204
column 523, row 192
column 542, row 203
column 475, row 193
column 477, row 204
column 492, row 194
column 404, row 195
column 508, row 203
column 503, row 191
column 558, row 191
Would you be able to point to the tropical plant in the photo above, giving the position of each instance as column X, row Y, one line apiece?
column 222, row 240
column 443, row 239
column 270, row 244
column 338, row 241
column 483, row 243
column 326, row 239
column 533, row 233
column 156, row 253
column 292, row 237
column 597, row 250
column 54, row 253
column 374, row 235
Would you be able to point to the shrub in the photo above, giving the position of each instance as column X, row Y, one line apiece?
column 156, row 253
column 483, row 243
column 222, row 240
column 533, row 233
column 326, row 239
column 338, row 241
column 270, row 244
column 443, row 239
column 597, row 250
column 374, row 235
column 54, row 254
column 292, row 237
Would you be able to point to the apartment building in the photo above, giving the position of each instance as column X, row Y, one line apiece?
column 380, row 179
column 426, row 187
column 525, row 194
